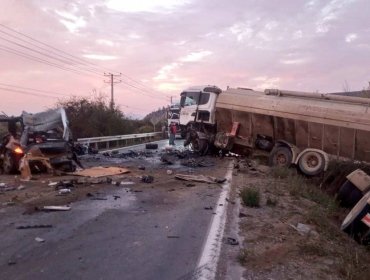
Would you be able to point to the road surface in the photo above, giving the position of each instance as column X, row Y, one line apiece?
column 143, row 231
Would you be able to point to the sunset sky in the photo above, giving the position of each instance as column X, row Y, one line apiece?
column 63, row 47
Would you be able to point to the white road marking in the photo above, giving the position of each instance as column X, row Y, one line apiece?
column 207, row 264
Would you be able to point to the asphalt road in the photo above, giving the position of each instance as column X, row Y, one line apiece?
column 152, row 231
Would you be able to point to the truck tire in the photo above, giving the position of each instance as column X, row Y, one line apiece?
column 353, row 225
column 200, row 146
column 348, row 195
column 311, row 163
column 280, row 156
column 151, row 146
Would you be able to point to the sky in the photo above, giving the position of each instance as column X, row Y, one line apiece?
column 51, row 50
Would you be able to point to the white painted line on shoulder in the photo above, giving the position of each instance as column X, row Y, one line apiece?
column 208, row 261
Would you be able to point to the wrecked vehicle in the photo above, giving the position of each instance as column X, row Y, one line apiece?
column 43, row 139
column 296, row 128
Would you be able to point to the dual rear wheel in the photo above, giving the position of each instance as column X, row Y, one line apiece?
column 310, row 163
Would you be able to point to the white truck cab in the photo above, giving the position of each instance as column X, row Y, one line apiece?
column 198, row 105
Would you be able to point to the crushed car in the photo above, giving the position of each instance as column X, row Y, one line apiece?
column 43, row 139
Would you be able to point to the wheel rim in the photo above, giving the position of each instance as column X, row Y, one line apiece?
column 311, row 162
column 281, row 159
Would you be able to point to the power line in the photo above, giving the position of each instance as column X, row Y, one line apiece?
column 65, row 58
column 72, row 56
column 68, row 60
column 27, row 92
column 50, row 46
column 32, row 89
column 44, row 61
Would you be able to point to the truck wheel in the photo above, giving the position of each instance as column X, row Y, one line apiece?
column 200, row 146
column 353, row 225
column 280, row 156
column 311, row 163
column 348, row 195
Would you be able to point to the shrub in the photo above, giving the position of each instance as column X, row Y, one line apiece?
column 250, row 197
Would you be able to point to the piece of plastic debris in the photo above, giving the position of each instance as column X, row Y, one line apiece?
column 169, row 172
column 127, row 183
column 56, row 208
column 64, row 191
column 39, row 239
column 52, row 184
column 21, row 187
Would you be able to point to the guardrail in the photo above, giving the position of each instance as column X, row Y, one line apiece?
column 118, row 140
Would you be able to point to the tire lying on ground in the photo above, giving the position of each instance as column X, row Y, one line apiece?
column 357, row 222
column 348, row 195
column 151, row 146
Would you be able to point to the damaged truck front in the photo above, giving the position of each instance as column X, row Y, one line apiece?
column 41, row 139
column 296, row 128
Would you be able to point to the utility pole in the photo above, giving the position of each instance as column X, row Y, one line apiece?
column 112, row 82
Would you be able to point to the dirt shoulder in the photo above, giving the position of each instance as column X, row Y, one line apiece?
column 293, row 230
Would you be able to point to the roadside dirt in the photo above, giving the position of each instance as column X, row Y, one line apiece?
column 294, row 233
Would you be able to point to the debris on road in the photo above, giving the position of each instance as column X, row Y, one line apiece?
column 100, row 171
column 56, row 208
column 34, row 226
column 147, row 179
column 200, row 178
column 231, row 241
column 168, row 159
column 151, row 146
column 65, row 191
column 141, row 167
column 11, row 262
column 196, row 162
column 39, row 239
column 5, row 188
column 169, row 172
column 126, row 183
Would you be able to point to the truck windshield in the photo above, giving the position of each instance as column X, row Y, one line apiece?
column 194, row 98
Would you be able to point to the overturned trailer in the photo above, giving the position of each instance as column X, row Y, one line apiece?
column 294, row 127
